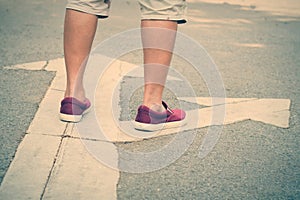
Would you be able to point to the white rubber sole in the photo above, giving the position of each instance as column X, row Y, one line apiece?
column 155, row 127
column 73, row 118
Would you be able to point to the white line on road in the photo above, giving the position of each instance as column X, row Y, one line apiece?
column 51, row 161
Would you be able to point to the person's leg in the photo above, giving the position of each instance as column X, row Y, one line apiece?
column 79, row 31
column 159, row 27
column 158, row 37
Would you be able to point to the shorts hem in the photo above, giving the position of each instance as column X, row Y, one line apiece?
column 101, row 15
column 178, row 19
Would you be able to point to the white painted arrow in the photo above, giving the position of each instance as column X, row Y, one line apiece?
column 275, row 112
column 270, row 111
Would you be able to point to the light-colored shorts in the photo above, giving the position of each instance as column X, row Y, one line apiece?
column 173, row 10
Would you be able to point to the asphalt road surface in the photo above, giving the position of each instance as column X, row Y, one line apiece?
column 257, row 53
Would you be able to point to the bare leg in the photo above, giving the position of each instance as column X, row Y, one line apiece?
column 158, row 45
column 79, row 32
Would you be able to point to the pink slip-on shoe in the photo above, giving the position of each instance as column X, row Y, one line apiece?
column 72, row 110
column 150, row 120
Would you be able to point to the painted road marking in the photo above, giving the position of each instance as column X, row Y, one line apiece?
column 270, row 111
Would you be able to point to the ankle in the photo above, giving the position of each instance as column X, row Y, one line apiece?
column 158, row 107
column 80, row 95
